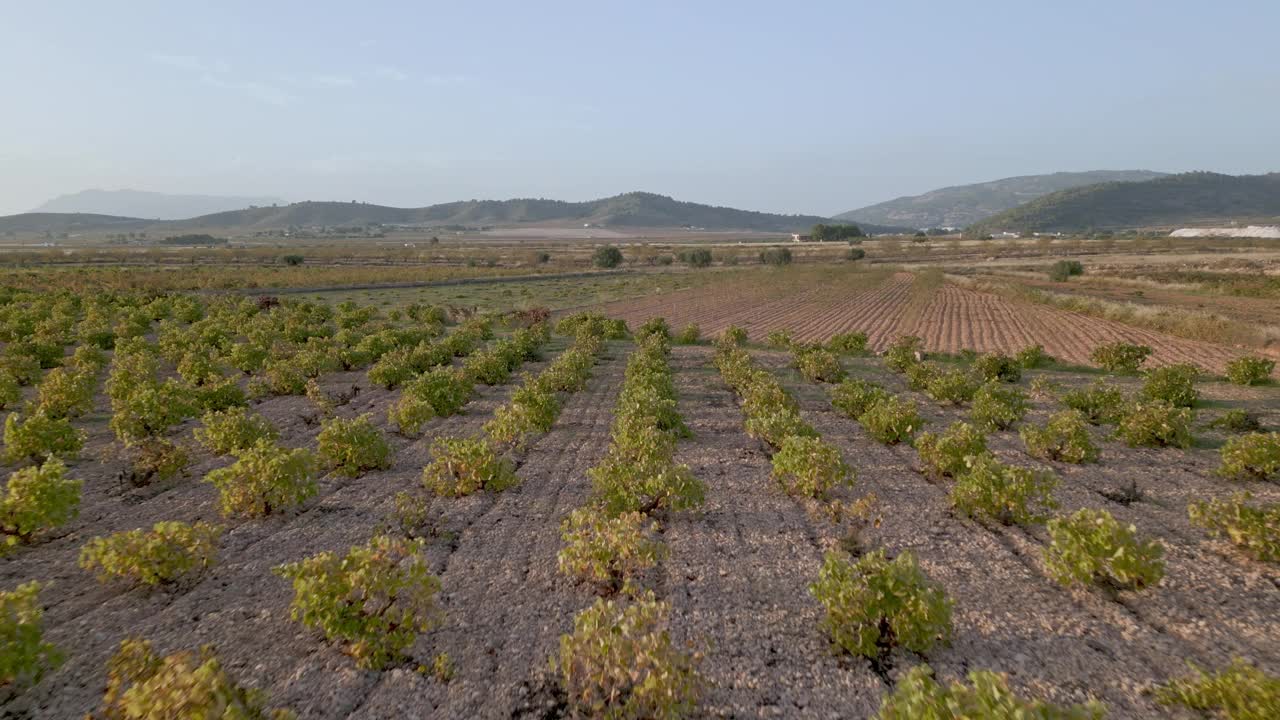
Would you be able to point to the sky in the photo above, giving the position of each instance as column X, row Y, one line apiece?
column 796, row 107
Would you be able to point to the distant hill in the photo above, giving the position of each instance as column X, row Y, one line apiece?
column 963, row 205
column 635, row 209
column 35, row 222
column 1184, row 199
column 151, row 205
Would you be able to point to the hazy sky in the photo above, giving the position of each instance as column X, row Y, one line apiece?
column 815, row 107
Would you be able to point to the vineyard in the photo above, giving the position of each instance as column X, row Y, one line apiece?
column 876, row 494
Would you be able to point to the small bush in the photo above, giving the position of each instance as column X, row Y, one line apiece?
column 636, row 480
column 1033, row 356
column 409, row 413
column 10, row 390
column 1064, row 438
column 619, row 662
column 1062, row 270
column 24, row 655
column 875, row 604
column 1100, row 403
column 689, row 335
column 231, row 431
column 697, row 257
column 921, row 374
column 779, row 340
column 608, row 551
column 993, row 491
column 264, row 479
column 38, row 437
column 891, row 421
column 461, row 466
column 855, row 254
column 997, row 408
column 1155, row 425
column 1236, row 420
column 854, row 397
column 819, row 366
column 169, row 552
column 606, row 256
column 904, row 352
column 154, row 459
column 775, row 426
column 654, row 326
column 810, row 467
column 953, row 386
column 447, row 390
column 733, row 336
column 995, row 367
column 1120, row 357
column 850, row 343
column 66, row 394
column 37, row 498
column 353, row 446
column 1250, row 370
column 776, row 256
column 1256, row 530
column 533, row 409
column 950, row 454
column 375, row 599
column 1255, row 456
column 1091, row 547
column 917, row 695
column 1173, row 385
column 1240, row 692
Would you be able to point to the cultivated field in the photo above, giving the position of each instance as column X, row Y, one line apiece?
column 388, row 510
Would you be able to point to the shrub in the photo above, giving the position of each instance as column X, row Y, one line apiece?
column 779, row 339
column 353, row 446
column 639, row 479
column 1033, row 356
column 1250, row 370
column 875, row 604
column 606, row 256
column 819, row 366
column 1065, row 438
column 918, row 695
column 1256, row 530
column 1064, row 269
column 892, row 420
column 775, row 256
column 619, row 662
column 393, row 368
column 855, row 254
column 950, row 454
column 904, row 352
column 810, row 467
column 921, row 374
column 997, row 408
column 1100, row 403
column 533, row 409
column 230, row 431
column 265, row 478
column 37, row 498
column 993, row 491
column 38, row 437
column 1091, row 547
column 461, row 466
column 654, row 326
column 1120, row 357
column 697, row 257
column 66, row 394
column 996, row 367
column 1155, row 425
column 775, row 426
column 733, row 336
column 409, row 414
column 446, row 389
column 1173, row 385
column 1236, row 420
column 154, row 459
column 953, row 386
column 169, row 552
column 24, row 655
column 1255, row 456
column 855, row 396
column 607, row 551
column 850, row 343
column 150, row 409
column 10, row 390
column 1240, row 692
column 375, row 599
column 689, row 335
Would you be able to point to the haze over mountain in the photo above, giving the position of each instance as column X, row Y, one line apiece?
column 152, row 205
column 963, row 205
column 634, row 209
column 1196, row 198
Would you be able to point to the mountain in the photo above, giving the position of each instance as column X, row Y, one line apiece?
column 634, row 209
column 963, row 205
column 154, row 205
column 1184, row 199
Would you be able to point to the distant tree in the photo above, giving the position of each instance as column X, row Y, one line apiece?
column 776, row 256
column 607, row 256
column 855, row 254
column 293, row 260
column 698, row 257
column 835, row 233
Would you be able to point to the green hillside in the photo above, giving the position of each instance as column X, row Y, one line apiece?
column 1185, row 199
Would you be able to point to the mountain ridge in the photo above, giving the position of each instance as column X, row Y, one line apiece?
column 147, row 204
column 963, row 205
